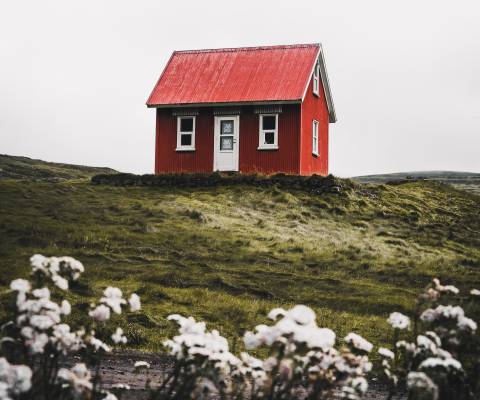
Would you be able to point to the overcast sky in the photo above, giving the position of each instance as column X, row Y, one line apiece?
column 405, row 75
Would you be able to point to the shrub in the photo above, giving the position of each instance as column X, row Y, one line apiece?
column 435, row 353
column 37, row 343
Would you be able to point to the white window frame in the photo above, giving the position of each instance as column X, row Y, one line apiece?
column 316, row 79
column 180, row 133
column 262, row 132
column 315, row 144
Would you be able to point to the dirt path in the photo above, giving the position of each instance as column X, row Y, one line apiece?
column 118, row 368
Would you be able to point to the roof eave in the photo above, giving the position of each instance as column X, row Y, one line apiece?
column 332, row 116
column 224, row 104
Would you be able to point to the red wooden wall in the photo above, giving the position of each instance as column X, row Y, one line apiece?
column 314, row 107
column 286, row 158
column 167, row 159
column 294, row 155
column 251, row 160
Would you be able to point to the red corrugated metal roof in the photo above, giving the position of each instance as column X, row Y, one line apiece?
column 247, row 74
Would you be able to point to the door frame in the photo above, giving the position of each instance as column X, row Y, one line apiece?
column 236, row 140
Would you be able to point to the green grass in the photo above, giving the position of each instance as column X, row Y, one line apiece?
column 15, row 167
column 227, row 255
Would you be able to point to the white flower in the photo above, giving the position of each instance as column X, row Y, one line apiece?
column 60, row 282
column 302, row 315
column 360, row 384
column 386, row 353
column 141, row 365
column 276, row 312
column 435, row 362
column 39, row 263
column 449, row 312
column 475, row 292
column 447, row 289
column 466, row 324
column 398, row 320
column 78, row 378
column 42, row 293
column 37, row 343
column 100, row 313
column 118, row 336
column 20, row 285
column 251, row 340
column 112, row 297
column 4, row 391
column 14, row 379
column 358, row 342
column 74, row 267
column 23, row 378
column 42, row 322
column 97, row 344
column 434, row 337
column 319, row 338
column 188, row 325
column 66, row 341
column 121, row 386
column 419, row 382
column 65, row 308
column 134, row 302
column 110, row 396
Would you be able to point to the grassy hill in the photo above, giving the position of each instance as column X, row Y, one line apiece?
column 15, row 167
column 229, row 254
column 461, row 180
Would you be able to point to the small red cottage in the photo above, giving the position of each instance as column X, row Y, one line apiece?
column 250, row 109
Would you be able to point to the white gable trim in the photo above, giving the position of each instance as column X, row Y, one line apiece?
column 325, row 83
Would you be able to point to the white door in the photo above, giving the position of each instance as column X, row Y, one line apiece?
column 225, row 152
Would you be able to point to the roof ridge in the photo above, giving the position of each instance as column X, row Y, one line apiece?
column 248, row 48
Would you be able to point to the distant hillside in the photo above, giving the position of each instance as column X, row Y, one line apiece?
column 461, row 180
column 14, row 167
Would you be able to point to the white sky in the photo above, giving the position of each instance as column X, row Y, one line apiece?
column 405, row 75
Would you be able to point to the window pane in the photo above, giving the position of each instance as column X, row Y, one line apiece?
column 269, row 137
column 226, row 127
column 226, row 143
column 269, row 122
column 186, row 140
column 186, row 125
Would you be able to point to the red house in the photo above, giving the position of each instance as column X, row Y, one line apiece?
column 250, row 109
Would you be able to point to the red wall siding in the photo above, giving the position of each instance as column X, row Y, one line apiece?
column 314, row 107
column 286, row 158
column 167, row 159
column 251, row 160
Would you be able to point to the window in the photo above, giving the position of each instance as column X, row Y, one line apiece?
column 315, row 137
column 268, row 138
column 185, row 133
column 316, row 79
column 226, row 135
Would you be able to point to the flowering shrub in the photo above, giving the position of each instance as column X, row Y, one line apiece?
column 303, row 361
column 438, row 356
column 435, row 354
column 40, row 344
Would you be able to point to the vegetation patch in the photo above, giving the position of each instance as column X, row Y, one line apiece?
column 241, row 249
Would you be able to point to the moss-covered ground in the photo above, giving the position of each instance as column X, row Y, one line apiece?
column 227, row 255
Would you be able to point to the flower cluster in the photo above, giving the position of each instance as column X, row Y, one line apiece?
column 436, row 362
column 206, row 353
column 452, row 313
column 113, row 300
column 59, row 269
column 302, row 358
column 14, row 379
column 39, row 338
column 37, row 314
